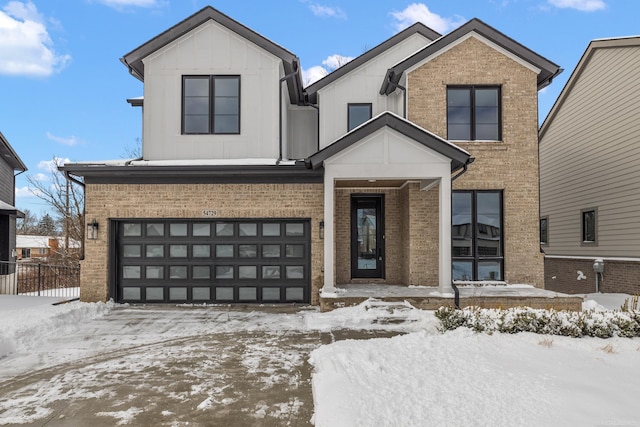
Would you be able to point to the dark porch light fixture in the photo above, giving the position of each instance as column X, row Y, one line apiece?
column 92, row 230
column 321, row 229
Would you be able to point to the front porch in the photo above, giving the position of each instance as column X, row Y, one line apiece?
column 430, row 298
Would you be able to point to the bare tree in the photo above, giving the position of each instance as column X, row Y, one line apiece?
column 134, row 152
column 28, row 224
column 66, row 200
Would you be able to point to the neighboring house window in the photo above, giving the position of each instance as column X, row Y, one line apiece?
column 476, row 233
column 26, row 253
column 42, row 251
column 473, row 113
column 544, row 230
column 589, row 226
column 211, row 104
column 357, row 114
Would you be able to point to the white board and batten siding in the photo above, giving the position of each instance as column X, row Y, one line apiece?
column 362, row 85
column 590, row 158
column 211, row 49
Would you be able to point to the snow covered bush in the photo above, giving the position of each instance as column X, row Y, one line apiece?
column 601, row 324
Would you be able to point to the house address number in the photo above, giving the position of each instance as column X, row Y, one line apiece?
column 209, row 212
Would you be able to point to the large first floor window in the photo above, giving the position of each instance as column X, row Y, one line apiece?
column 476, row 233
column 211, row 104
column 473, row 113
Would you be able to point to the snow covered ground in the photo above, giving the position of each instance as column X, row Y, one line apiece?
column 421, row 377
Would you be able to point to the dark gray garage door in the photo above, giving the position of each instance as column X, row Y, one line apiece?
column 215, row 261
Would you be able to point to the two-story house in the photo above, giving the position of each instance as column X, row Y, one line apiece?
column 414, row 164
column 9, row 164
column 589, row 175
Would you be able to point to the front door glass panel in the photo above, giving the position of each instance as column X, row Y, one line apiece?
column 366, row 236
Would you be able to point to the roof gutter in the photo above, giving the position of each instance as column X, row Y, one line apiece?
column 464, row 168
column 395, row 86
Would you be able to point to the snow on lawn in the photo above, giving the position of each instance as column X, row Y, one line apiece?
column 27, row 321
column 423, row 377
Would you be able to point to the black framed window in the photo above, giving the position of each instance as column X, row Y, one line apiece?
column 211, row 104
column 476, row 233
column 357, row 114
column 544, row 230
column 589, row 226
column 473, row 113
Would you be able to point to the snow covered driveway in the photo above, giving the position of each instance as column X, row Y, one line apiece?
column 165, row 366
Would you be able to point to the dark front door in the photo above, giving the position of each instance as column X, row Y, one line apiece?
column 367, row 236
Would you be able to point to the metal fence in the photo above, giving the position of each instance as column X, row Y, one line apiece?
column 39, row 279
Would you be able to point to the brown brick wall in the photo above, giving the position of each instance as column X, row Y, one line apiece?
column 561, row 275
column 510, row 165
column 117, row 201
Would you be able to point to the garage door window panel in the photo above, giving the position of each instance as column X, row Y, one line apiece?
column 178, row 251
column 248, row 229
column 154, row 272
column 201, row 272
column 224, row 272
column 224, row 251
column 201, row 230
column 131, row 251
column 155, row 230
column 201, row 251
column 155, row 251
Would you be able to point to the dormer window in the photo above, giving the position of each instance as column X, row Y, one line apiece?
column 210, row 105
column 473, row 113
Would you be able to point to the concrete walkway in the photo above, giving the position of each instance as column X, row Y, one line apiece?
column 159, row 366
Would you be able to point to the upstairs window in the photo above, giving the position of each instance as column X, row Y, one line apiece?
column 211, row 104
column 357, row 114
column 473, row 113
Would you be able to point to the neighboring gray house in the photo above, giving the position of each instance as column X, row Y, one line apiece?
column 9, row 164
column 590, row 173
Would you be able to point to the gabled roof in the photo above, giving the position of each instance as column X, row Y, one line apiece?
column 417, row 28
column 615, row 42
column 458, row 156
column 548, row 70
column 9, row 156
column 290, row 62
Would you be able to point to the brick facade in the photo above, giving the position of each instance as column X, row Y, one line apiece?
column 564, row 275
column 119, row 201
column 510, row 165
column 411, row 235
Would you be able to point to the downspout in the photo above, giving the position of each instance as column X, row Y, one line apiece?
column 464, row 168
column 14, row 184
column 404, row 95
column 286, row 77
column 456, row 291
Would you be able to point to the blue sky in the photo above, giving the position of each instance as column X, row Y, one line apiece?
column 64, row 88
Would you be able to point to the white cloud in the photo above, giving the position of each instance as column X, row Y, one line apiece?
column 70, row 141
column 336, row 61
column 582, row 5
column 52, row 165
column 25, row 45
column 120, row 4
column 41, row 177
column 24, row 192
column 419, row 12
column 315, row 73
column 327, row 11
